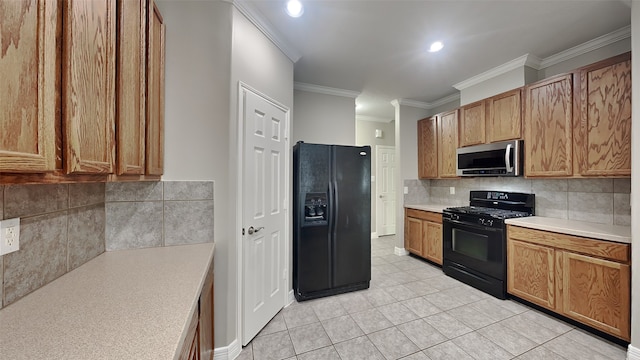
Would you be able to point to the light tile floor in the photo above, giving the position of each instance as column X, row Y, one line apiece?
column 413, row 311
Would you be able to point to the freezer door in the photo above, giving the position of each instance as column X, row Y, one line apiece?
column 311, row 245
column 352, row 213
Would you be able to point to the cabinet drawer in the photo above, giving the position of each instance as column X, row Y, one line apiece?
column 603, row 249
column 424, row 215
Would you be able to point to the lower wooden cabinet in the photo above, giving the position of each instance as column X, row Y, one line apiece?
column 584, row 279
column 423, row 234
column 198, row 344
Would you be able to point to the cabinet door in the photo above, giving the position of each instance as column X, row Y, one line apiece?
column 603, row 118
column 131, row 86
column 155, row 93
column 447, row 144
column 413, row 235
column 504, row 120
column 29, row 85
column 531, row 272
column 88, row 91
column 472, row 124
column 427, row 148
column 596, row 292
column 548, row 127
column 432, row 248
column 205, row 326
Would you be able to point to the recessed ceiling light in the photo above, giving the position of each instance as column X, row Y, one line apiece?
column 436, row 46
column 294, row 8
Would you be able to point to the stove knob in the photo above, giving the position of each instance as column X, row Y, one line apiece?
column 455, row 216
column 490, row 222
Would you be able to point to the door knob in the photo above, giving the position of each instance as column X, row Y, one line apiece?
column 252, row 230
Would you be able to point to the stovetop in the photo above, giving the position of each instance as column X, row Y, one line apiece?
column 487, row 211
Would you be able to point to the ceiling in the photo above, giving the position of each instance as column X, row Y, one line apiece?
column 378, row 48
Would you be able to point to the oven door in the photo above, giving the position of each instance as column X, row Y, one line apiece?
column 475, row 247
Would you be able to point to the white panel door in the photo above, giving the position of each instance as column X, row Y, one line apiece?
column 385, row 190
column 263, row 214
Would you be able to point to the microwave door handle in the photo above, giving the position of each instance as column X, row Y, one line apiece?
column 507, row 154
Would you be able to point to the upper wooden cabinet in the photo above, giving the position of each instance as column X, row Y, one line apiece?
column 472, row 124
column 548, row 127
column 131, row 87
column 602, row 118
column 504, row 116
column 88, row 86
column 30, row 85
column 82, row 90
column 447, row 143
column 428, row 148
column 155, row 93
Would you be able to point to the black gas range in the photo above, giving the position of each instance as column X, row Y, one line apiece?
column 474, row 238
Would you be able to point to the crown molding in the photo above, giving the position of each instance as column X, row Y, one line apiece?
column 325, row 90
column 412, row 103
column 526, row 59
column 584, row 48
column 266, row 28
column 373, row 119
column 425, row 105
column 445, row 100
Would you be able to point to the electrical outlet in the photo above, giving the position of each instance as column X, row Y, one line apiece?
column 9, row 236
column 452, row 190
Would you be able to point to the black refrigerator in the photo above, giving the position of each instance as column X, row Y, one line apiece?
column 331, row 219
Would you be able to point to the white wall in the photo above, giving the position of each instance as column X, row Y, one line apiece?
column 197, row 113
column 210, row 46
column 258, row 63
column 619, row 47
column 365, row 135
column 323, row 119
column 635, row 185
column 496, row 85
column 406, row 155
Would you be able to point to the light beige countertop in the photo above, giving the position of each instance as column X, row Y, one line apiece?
column 128, row 304
column 428, row 207
column 617, row 233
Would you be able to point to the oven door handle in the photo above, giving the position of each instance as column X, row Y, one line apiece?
column 468, row 225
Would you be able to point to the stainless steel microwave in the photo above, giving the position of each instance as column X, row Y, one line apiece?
column 496, row 159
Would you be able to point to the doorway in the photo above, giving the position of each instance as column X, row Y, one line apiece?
column 265, row 187
column 385, row 190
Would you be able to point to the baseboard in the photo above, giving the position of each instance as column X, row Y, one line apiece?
column 228, row 352
column 400, row 251
column 291, row 298
column 374, row 235
column 633, row 353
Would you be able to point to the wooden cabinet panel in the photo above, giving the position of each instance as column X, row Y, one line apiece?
column 603, row 118
column 155, row 93
column 131, row 87
column 190, row 345
column 88, row 75
column 432, row 246
column 472, row 124
column 413, row 235
column 597, row 292
column 531, row 272
column 205, row 327
column 548, row 127
column 504, row 119
column 604, row 249
column 428, row 148
column 447, row 144
column 30, row 85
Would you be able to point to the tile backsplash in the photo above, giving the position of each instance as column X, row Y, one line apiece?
column 605, row 201
column 62, row 226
